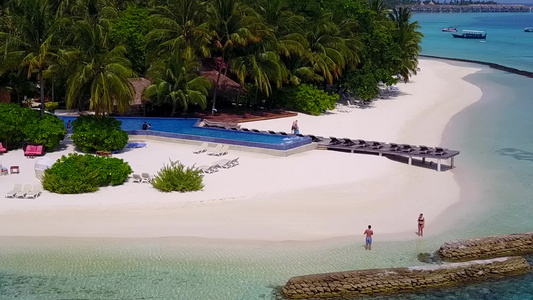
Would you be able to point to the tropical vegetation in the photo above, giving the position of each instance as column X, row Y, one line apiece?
column 77, row 173
column 175, row 177
column 92, row 133
column 24, row 125
column 84, row 53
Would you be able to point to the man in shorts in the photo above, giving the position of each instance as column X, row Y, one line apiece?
column 368, row 233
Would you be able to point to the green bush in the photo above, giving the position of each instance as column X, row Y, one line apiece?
column 19, row 125
column 175, row 177
column 308, row 99
column 92, row 134
column 51, row 106
column 77, row 174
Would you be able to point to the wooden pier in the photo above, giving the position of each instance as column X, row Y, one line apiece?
column 390, row 149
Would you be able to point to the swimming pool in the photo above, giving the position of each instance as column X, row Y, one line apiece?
column 181, row 128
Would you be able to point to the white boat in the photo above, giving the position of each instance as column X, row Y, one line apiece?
column 528, row 29
column 471, row 34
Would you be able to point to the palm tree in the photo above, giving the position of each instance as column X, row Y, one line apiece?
column 264, row 68
column 330, row 51
column 408, row 38
column 180, row 24
column 28, row 40
column 102, row 72
column 175, row 81
column 236, row 25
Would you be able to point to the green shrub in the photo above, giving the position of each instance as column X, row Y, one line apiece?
column 77, row 174
column 175, row 177
column 308, row 99
column 19, row 125
column 51, row 106
column 92, row 134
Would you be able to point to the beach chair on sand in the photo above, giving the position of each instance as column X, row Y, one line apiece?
column 137, row 178
column 216, row 150
column 223, row 163
column 224, row 150
column 22, row 193
column 202, row 149
column 17, row 188
column 208, row 169
column 36, row 192
column 334, row 141
column 146, row 178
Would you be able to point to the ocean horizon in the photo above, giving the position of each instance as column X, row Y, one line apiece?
column 494, row 171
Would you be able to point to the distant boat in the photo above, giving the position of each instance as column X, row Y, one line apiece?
column 528, row 29
column 449, row 29
column 470, row 34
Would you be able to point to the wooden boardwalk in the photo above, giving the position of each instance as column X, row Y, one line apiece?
column 390, row 149
column 410, row 152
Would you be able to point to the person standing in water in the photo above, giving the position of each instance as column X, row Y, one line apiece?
column 421, row 222
column 294, row 128
column 368, row 233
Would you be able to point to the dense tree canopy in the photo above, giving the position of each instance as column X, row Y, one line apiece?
column 83, row 52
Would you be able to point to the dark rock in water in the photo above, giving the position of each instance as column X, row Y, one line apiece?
column 424, row 257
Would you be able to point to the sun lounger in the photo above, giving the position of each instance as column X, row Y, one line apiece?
column 393, row 147
column 334, row 141
column 202, row 149
column 217, row 149
column 137, row 178
column 223, row 151
column 283, row 133
column 226, row 163
column 255, row 130
column 36, row 192
column 271, row 132
column 146, row 178
column 245, row 129
column 22, row 193
column 2, row 149
column 17, row 188
column 348, row 142
column 208, row 169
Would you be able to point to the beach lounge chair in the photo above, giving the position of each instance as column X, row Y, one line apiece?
column 376, row 145
column 406, row 148
column 223, row 163
column 215, row 151
column 234, row 162
column 2, row 148
column 245, row 129
column 17, row 188
column 314, row 138
column 146, row 178
column 283, row 133
column 422, row 149
column 36, row 192
column 393, row 147
column 334, row 141
column 208, row 169
column 439, row 151
column 22, row 193
column 362, row 143
column 255, row 130
column 137, row 178
column 223, row 151
column 271, row 132
column 202, row 149
column 348, row 142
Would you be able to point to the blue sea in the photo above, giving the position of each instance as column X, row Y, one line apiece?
column 495, row 171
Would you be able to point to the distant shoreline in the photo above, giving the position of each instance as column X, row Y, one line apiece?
column 491, row 65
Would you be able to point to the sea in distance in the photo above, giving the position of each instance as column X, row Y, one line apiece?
column 495, row 171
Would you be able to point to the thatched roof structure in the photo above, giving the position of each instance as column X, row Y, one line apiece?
column 225, row 82
column 139, row 84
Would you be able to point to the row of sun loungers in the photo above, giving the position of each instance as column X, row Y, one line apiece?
column 221, row 164
column 219, row 150
column 386, row 147
column 26, row 192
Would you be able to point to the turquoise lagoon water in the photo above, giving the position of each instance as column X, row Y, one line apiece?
column 507, row 43
column 495, row 170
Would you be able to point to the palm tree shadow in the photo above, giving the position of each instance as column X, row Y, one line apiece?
column 516, row 154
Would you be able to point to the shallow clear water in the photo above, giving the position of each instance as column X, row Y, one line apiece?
column 187, row 126
column 507, row 43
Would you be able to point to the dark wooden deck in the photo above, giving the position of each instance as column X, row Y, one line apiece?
column 389, row 149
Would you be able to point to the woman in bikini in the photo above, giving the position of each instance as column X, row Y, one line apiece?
column 421, row 222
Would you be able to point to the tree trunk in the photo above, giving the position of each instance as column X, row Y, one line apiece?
column 216, row 84
column 41, row 83
column 173, row 110
column 256, row 92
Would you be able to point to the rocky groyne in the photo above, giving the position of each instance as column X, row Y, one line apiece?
column 384, row 281
column 487, row 247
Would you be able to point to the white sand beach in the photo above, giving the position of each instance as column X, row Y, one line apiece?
column 310, row 196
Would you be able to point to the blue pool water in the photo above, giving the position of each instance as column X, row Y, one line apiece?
column 187, row 129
